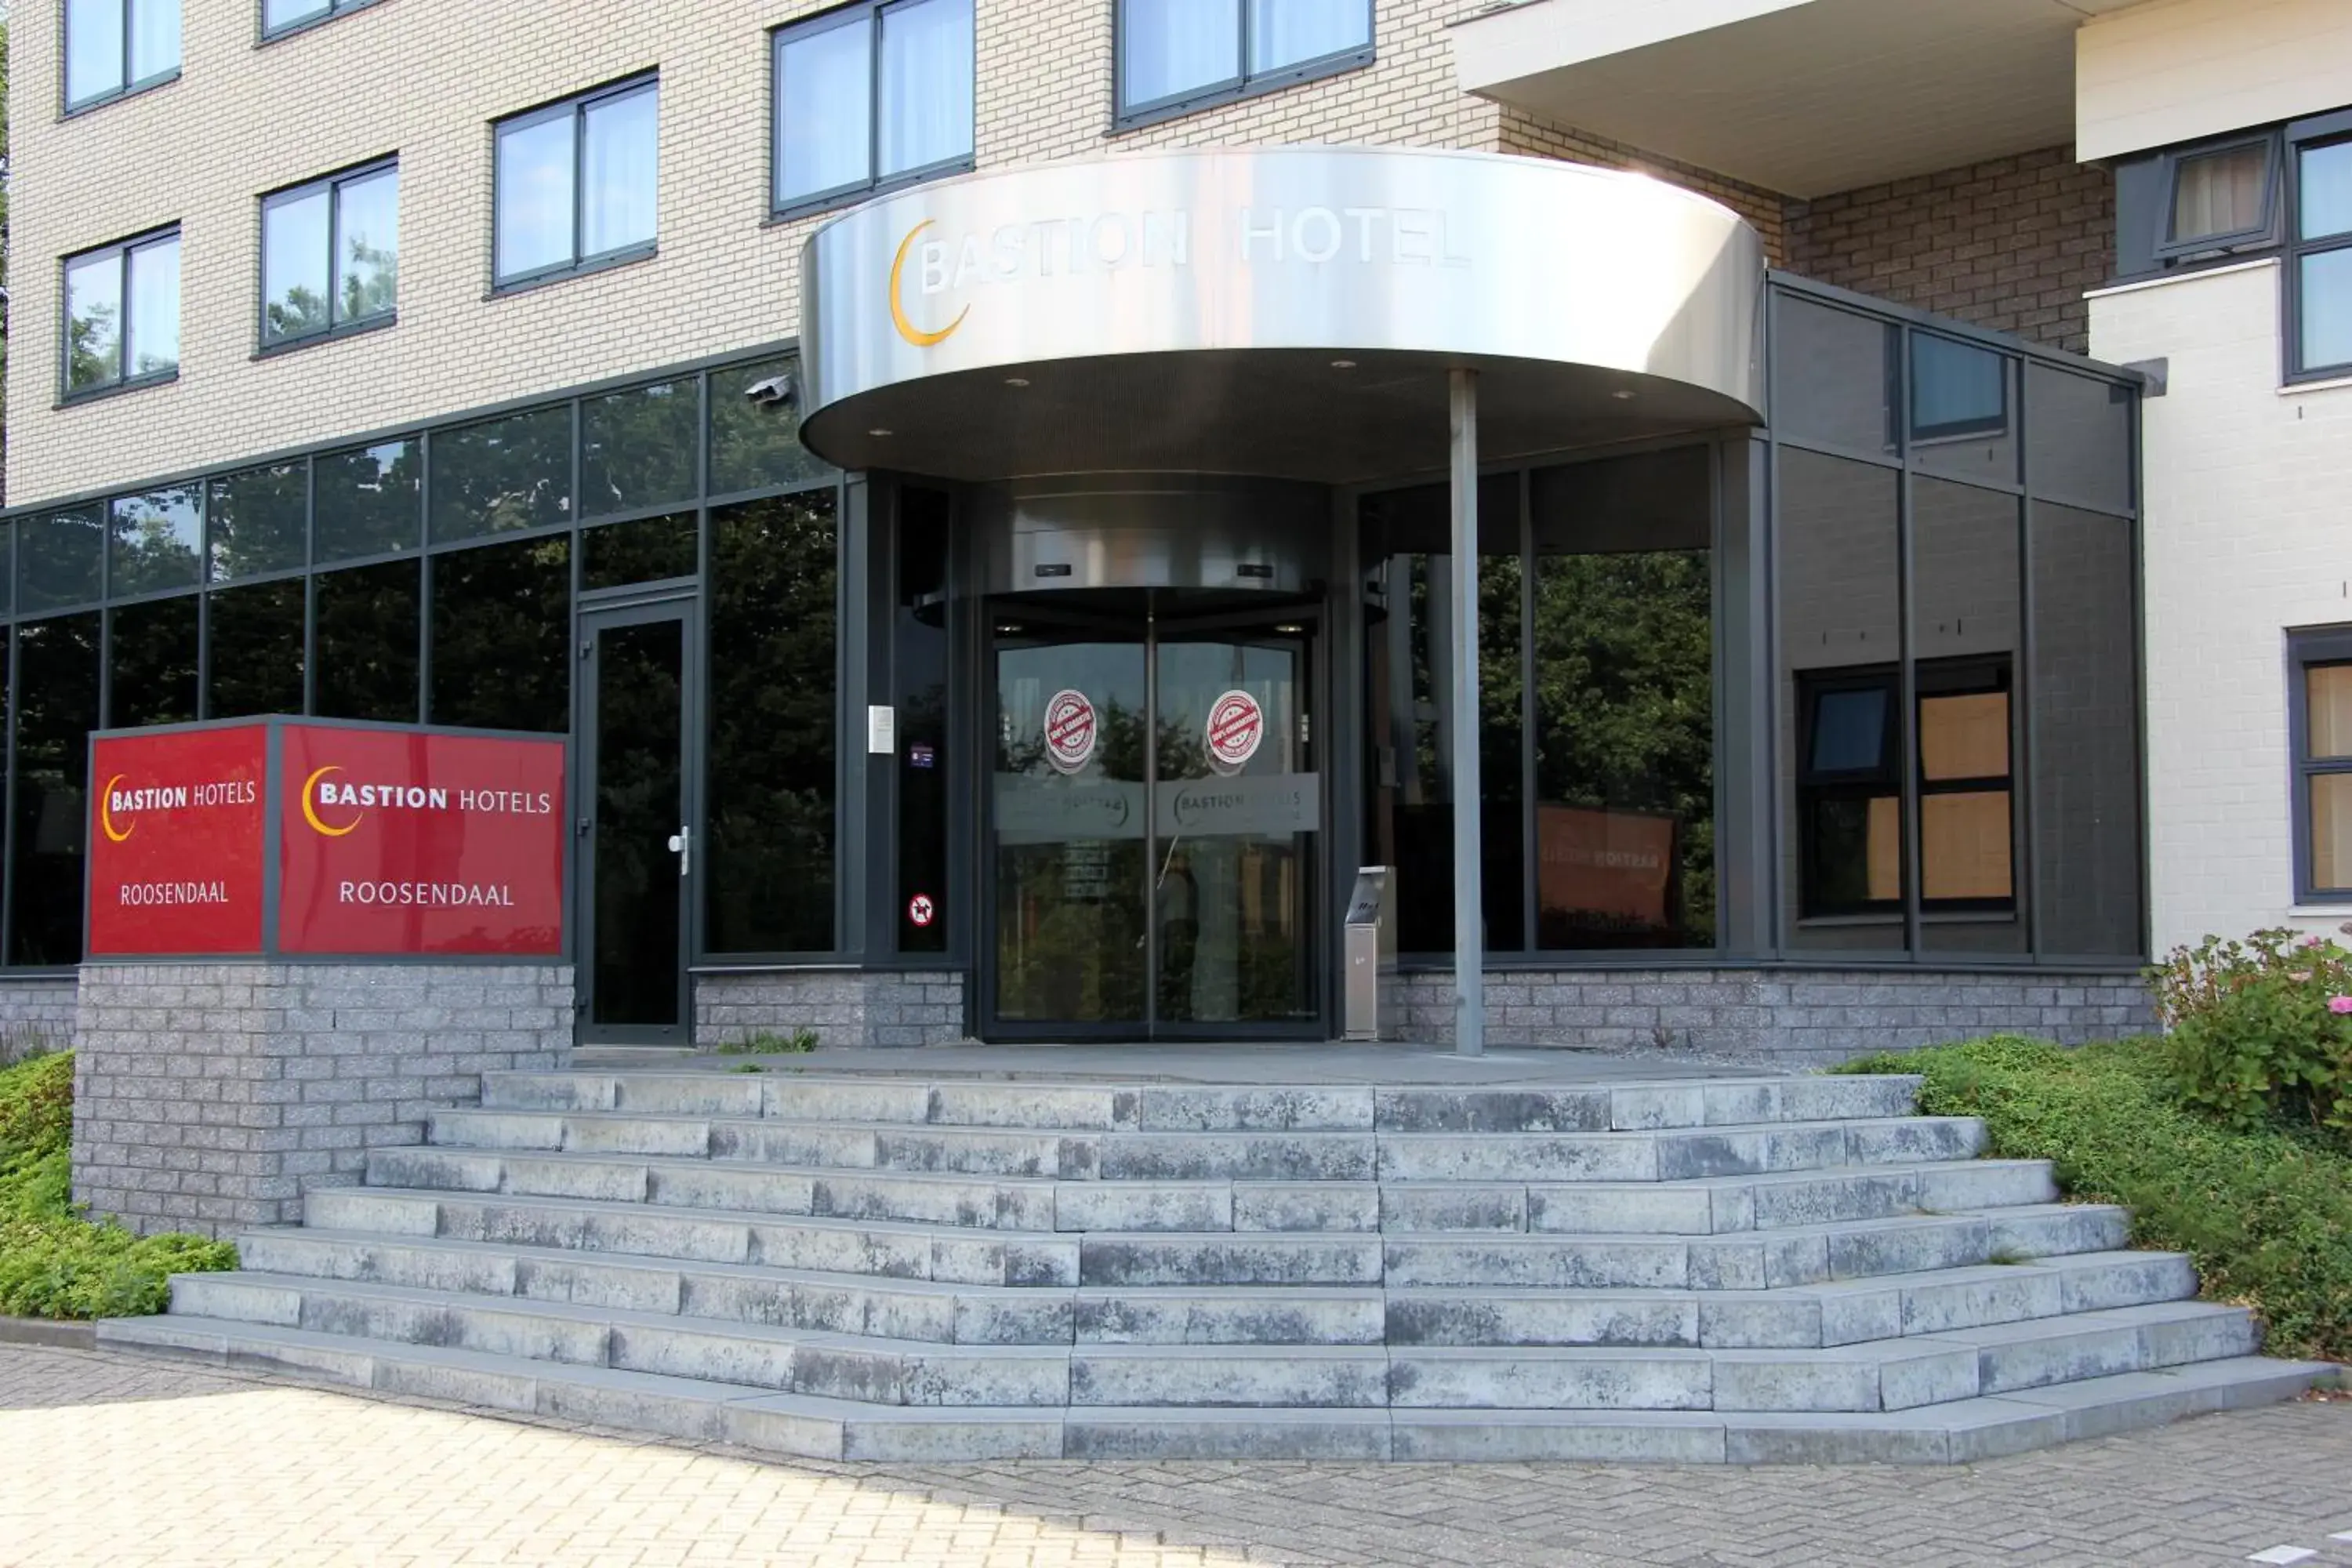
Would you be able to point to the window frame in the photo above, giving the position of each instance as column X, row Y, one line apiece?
column 123, row 380
column 266, row 33
column 2310, row 649
column 126, row 87
column 1126, row 116
column 332, row 183
column 1953, row 431
column 1968, row 674
column 1813, row 785
column 2302, row 136
column 2264, row 232
column 575, row 108
column 868, row 14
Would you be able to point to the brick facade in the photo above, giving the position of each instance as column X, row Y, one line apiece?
column 36, row 1014
column 209, row 1097
column 843, row 1006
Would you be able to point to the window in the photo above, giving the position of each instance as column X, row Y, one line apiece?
column 872, row 97
column 576, row 183
column 2320, row 720
column 2319, row 246
column 330, row 254
column 117, row 46
column 122, row 314
column 2216, row 196
column 289, row 15
column 1177, row 54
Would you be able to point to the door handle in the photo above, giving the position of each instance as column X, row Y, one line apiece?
column 681, row 844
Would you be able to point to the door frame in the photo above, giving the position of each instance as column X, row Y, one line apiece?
column 636, row 606
column 1037, row 609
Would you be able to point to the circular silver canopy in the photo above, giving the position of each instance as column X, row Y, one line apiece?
column 1286, row 311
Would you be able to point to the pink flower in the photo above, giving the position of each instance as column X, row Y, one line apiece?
column 2339, row 1004
column 2314, row 942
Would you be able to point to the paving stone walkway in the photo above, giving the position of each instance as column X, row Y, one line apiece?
column 107, row 1459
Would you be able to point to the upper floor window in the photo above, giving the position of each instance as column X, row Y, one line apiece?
column 870, row 97
column 330, row 254
column 2320, row 251
column 1178, row 55
column 576, row 183
column 285, row 15
column 122, row 313
column 115, row 46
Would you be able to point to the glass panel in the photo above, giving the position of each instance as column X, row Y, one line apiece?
column 618, row 167
column 255, row 521
column 502, row 637
column 367, row 258
column 639, row 805
column 367, row 643
column 295, row 290
column 155, row 308
column 1964, row 852
column 824, row 111
column 1624, row 697
column 1833, row 377
column 638, row 446
column 535, row 195
column 754, row 445
column 7, row 567
column 2327, row 711
column 2325, row 302
column 1172, row 46
column 277, row 13
column 2084, row 702
column 93, row 48
column 59, row 559
column 1968, row 587
column 94, row 321
column 368, row 498
column 153, row 648
column 620, row 554
column 2219, row 193
column 1286, row 32
column 1964, row 737
column 927, row 84
column 1960, row 400
column 2079, row 437
column 1069, row 829
column 2331, row 832
column 2324, row 197
column 56, row 708
column 769, row 882
column 154, row 38
column 157, row 541
column 502, row 474
column 918, row 665
column 254, row 660
column 1840, row 649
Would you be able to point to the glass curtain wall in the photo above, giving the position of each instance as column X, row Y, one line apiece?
column 431, row 577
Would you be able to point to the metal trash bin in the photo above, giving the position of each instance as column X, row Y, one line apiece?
column 1370, row 953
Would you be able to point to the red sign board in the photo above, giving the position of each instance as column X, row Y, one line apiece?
column 175, row 842
column 1616, row 865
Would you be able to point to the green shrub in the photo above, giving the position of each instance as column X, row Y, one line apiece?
column 2262, row 1030
column 2266, row 1213
column 768, row 1043
column 53, row 1263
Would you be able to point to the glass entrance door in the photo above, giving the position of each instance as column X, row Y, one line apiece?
column 1155, row 816
column 638, row 855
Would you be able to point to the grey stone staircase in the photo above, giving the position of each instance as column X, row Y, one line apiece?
column 883, row 1267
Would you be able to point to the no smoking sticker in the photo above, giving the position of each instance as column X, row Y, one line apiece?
column 1237, row 728
column 921, row 910
column 1069, row 730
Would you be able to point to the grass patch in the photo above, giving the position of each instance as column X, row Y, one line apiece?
column 53, row 1262
column 2266, row 1212
column 768, row 1043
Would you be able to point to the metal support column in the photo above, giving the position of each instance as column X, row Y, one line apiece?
column 1469, row 895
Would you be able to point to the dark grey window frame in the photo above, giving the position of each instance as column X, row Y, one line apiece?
column 266, row 33
column 2303, row 135
column 332, row 185
column 123, row 382
column 576, row 107
column 2003, row 423
column 2309, row 649
column 866, row 14
column 1126, row 116
column 2265, row 232
column 69, row 106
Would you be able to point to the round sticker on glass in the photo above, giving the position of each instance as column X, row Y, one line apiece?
column 1069, row 730
column 1237, row 726
column 921, row 910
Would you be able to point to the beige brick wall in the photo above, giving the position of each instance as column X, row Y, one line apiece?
column 2012, row 245
column 425, row 79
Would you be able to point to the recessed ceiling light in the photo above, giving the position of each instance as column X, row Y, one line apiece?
column 1343, row 364
column 1016, row 380
column 1289, row 630
column 1623, row 395
column 879, row 432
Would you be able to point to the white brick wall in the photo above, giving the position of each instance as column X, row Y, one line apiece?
column 2248, row 535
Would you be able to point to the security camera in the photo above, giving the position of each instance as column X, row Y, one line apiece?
column 775, row 389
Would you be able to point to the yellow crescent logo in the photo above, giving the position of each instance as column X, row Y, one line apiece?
column 106, row 817
column 907, row 329
column 309, row 813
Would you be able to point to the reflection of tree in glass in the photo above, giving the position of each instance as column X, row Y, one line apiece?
column 155, row 539
column 56, row 708
column 258, row 518
column 638, row 446
column 503, row 474
column 756, row 444
column 94, row 346
column 501, row 636
column 370, row 287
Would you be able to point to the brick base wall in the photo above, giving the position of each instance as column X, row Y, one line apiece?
column 846, row 1007
column 211, row 1097
column 1790, row 1017
column 36, row 1016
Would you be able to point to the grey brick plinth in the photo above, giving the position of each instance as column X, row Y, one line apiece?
column 211, row 1097
column 846, row 1007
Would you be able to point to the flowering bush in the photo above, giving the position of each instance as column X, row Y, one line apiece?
column 2262, row 1027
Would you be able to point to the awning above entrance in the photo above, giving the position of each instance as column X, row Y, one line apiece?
column 1286, row 311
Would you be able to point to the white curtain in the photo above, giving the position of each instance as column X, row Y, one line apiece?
column 2220, row 193
column 154, row 38
column 823, row 112
column 534, row 192
column 1287, row 32
column 618, row 171
column 927, row 73
column 1172, row 46
column 93, row 48
column 155, row 307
